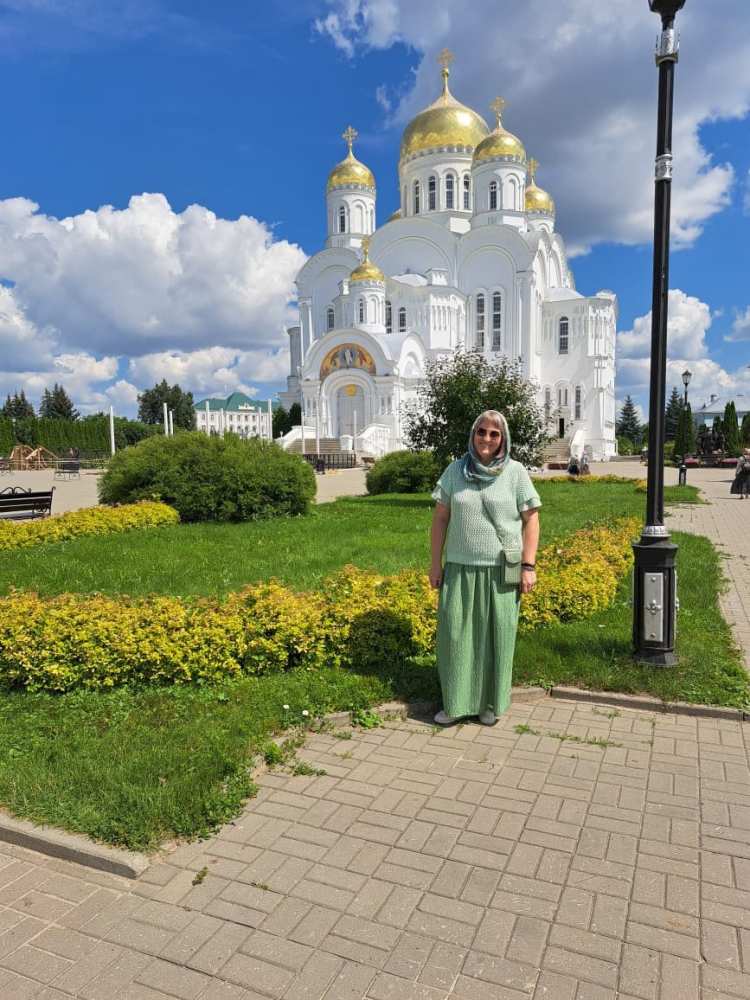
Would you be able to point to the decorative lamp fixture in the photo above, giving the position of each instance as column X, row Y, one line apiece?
column 686, row 376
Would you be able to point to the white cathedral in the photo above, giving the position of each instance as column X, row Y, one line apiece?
column 471, row 261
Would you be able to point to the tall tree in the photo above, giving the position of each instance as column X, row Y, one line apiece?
column 151, row 405
column 17, row 407
column 732, row 444
column 457, row 390
column 684, row 442
column 280, row 422
column 295, row 415
column 745, row 430
column 629, row 425
column 57, row 405
column 672, row 414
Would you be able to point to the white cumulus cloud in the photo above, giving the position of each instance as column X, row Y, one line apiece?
column 185, row 296
column 740, row 327
column 581, row 85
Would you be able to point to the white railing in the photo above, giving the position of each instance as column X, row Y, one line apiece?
column 374, row 440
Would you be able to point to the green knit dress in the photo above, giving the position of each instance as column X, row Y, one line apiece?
column 479, row 596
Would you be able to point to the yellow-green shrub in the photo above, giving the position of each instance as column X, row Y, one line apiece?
column 638, row 484
column 359, row 619
column 91, row 521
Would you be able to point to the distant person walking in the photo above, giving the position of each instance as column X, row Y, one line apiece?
column 486, row 527
column 741, row 483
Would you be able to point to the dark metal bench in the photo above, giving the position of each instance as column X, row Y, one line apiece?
column 69, row 468
column 18, row 503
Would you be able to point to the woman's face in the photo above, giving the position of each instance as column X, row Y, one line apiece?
column 487, row 440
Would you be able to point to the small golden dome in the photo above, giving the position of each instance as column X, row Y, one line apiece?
column 445, row 124
column 500, row 144
column 350, row 172
column 366, row 271
column 537, row 199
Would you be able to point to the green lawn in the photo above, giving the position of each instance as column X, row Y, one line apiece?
column 136, row 767
column 383, row 533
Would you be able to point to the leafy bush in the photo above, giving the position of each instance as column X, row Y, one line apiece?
column 92, row 521
column 403, row 472
column 625, row 446
column 358, row 620
column 211, row 478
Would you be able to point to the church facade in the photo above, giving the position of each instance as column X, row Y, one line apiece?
column 470, row 261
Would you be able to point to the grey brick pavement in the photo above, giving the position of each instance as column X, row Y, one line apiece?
column 472, row 863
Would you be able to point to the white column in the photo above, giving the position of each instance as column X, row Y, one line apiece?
column 112, row 429
column 354, row 415
column 270, row 421
column 208, row 422
column 222, row 420
column 317, row 427
column 166, row 421
column 171, row 423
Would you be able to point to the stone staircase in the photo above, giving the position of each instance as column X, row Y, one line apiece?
column 328, row 446
column 557, row 454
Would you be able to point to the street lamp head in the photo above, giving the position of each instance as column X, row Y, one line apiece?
column 686, row 376
column 666, row 8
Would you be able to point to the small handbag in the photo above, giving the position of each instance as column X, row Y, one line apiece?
column 510, row 544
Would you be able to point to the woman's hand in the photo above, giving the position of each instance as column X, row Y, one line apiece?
column 436, row 576
column 528, row 580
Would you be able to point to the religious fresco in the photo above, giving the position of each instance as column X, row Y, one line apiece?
column 347, row 356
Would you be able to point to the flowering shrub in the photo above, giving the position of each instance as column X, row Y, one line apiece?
column 358, row 620
column 92, row 521
column 639, row 484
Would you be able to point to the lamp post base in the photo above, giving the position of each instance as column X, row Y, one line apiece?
column 654, row 600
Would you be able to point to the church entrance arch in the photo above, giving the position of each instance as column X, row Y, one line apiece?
column 350, row 400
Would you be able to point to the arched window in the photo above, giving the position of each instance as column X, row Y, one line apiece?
column 402, row 320
column 467, row 193
column 547, row 399
column 361, row 310
column 372, row 220
column 497, row 322
column 359, row 215
column 342, row 219
column 388, row 317
column 416, row 197
column 579, row 395
column 493, row 195
column 479, row 340
column 330, row 318
column 432, row 194
column 562, row 338
column 449, row 191
column 513, row 192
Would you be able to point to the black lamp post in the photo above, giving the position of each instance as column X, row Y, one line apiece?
column 686, row 376
column 654, row 579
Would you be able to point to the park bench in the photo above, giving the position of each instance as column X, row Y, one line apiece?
column 17, row 503
column 68, row 468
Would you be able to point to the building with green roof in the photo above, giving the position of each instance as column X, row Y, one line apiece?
column 238, row 413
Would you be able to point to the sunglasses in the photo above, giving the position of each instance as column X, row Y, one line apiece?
column 492, row 435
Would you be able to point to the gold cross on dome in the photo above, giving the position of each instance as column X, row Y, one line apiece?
column 349, row 136
column 445, row 58
column 498, row 106
column 533, row 164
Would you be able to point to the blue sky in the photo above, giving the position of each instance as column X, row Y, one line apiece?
column 236, row 108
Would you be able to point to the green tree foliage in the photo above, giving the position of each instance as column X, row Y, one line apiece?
column 151, row 405
column 56, row 404
column 684, row 442
column 457, row 390
column 295, row 415
column 17, row 407
column 211, row 478
column 745, row 430
column 629, row 426
column 732, row 442
column 625, row 446
column 672, row 414
column 403, row 472
column 281, row 422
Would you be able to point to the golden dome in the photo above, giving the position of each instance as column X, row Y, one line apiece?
column 366, row 271
column 500, row 144
column 445, row 124
column 537, row 199
column 350, row 172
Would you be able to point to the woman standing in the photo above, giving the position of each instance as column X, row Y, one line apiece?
column 487, row 526
column 741, row 482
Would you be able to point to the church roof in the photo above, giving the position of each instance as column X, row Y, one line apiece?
column 415, row 280
column 716, row 405
column 561, row 294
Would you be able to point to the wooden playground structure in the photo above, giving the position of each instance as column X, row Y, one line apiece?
column 24, row 458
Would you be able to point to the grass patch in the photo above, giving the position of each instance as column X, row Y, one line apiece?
column 382, row 533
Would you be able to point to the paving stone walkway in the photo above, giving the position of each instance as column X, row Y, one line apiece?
column 473, row 863
column 470, row 863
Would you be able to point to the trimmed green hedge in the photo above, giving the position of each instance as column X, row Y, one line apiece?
column 404, row 472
